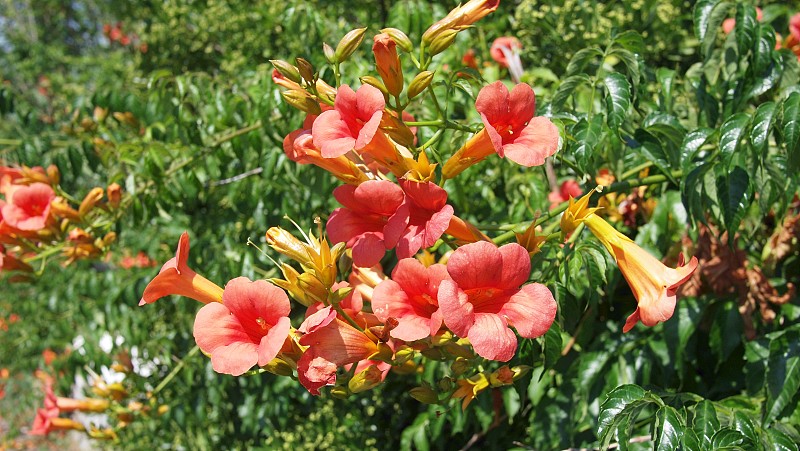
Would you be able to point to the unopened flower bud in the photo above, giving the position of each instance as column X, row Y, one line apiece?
column 99, row 114
column 279, row 367
column 460, row 366
column 388, row 63
column 444, row 40
column 424, row 394
column 340, row 392
column 366, row 380
column 92, row 198
column 302, row 101
column 420, row 83
column 348, row 44
column 373, row 81
column 501, row 377
column 445, row 384
column 329, row 53
column 400, row 38
column 114, row 193
column 286, row 69
column 53, row 174
column 306, row 70
column 109, row 238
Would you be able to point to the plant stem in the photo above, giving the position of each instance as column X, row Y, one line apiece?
column 176, row 370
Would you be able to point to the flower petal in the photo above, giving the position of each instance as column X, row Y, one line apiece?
column 475, row 265
column 516, row 267
column 531, row 311
column 215, row 327
column 234, row 359
column 272, row 342
column 332, row 135
column 521, row 105
column 457, row 311
column 537, row 141
column 491, row 338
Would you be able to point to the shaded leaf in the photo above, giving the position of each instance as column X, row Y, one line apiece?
column 668, row 429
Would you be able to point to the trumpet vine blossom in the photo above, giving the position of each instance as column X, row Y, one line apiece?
column 249, row 327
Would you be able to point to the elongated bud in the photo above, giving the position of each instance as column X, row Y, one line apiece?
column 400, row 38
column 373, row 81
column 420, row 83
column 444, row 40
column 348, row 44
column 302, row 101
column 286, row 69
column 366, row 380
column 502, row 376
column 90, row 200
column 340, row 392
column 114, row 193
column 279, row 367
column 425, row 395
column 306, row 70
column 329, row 53
column 460, row 366
column 388, row 63
column 109, row 238
column 99, row 114
column 53, row 174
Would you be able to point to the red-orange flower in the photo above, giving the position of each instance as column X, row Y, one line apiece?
column 511, row 130
column 248, row 328
column 352, row 123
column 176, row 277
column 502, row 48
column 28, row 207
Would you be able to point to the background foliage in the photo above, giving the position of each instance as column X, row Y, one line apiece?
column 652, row 91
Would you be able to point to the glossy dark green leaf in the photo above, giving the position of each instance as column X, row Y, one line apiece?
column 779, row 441
column 762, row 125
column 581, row 58
column 630, row 40
column 743, row 424
column 727, row 437
column 708, row 17
column 631, row 62
column 566, row 88
column 705, row 423
column 791, row 129
column 763, row 48
column 669, row 429
column 731, row 132
column 618, row 99
column 783, row 375
column 666, row 79
column 692, row 142
column 619, row 410
column 745, row 28
column 652, row 149
column 734, row 191
column 587, row 135
column 552, row 345
column 765, row 80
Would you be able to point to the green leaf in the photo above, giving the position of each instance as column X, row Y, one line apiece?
column 620, row 410
column 587, row 135
column 764, row 81
column 708, row 17
column 618, row 99
column 691, row 145
column 552, row 345
column 669, row 428
column 705, row 422
column 653, row 150
column 764, row 47
column 783, row 375
column 778, row 441
column 743, row 424
column 630, row 40
column 762, row 125
column 581, row 58
column 745, row 29
column 734, row 191
column 726, row 437
column 791, row 129
column 566, row 88
column 731, row 133
column 666, row 78
column 631, row 63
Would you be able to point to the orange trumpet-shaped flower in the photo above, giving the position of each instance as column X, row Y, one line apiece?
column 654, row 285
column 176, row 277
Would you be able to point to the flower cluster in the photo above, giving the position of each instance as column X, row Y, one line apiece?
column 356, row 323
column 37, row 219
